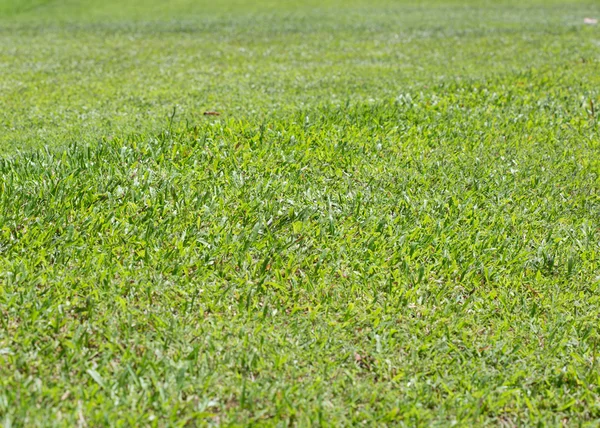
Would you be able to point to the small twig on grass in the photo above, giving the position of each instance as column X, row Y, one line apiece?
column 172, row 118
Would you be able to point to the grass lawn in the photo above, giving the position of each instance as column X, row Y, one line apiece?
column 395, row 219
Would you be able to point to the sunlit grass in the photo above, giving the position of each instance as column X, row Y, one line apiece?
column 393, row 220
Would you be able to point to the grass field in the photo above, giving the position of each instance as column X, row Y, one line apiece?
column 395, row 220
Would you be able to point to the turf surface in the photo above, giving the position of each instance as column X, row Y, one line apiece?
column 394, row 220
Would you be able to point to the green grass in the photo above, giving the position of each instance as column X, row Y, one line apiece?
column 395, row 220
